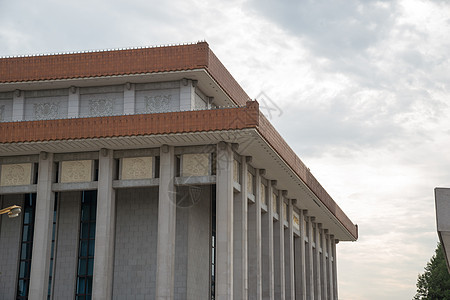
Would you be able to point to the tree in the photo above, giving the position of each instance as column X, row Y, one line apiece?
column 434, row 283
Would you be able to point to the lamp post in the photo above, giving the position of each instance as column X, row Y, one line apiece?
column 12, row 211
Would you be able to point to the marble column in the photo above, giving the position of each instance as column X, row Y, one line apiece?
column 166, row 225
column 240, row 264
column 43, row 225
column 254, row 242
column 289, row 253
column 105, row 228
column 310, row 260
column 267, row 247
column 224, row 222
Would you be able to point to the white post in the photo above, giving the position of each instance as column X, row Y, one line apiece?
column 18, row 105
column 290, row 257
column 240, row 237
column 323, row 271
column 267, row 248
column 43, row 225
column 73, row 110
column 167, row 209
column 224, row 222
column 254, row 238
column 129, row 99
column 278, row 239
column 105, row 228
column 310, row 264
column 330, row 267
column 317, row 281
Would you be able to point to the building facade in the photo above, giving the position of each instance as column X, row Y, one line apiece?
column 150, row 174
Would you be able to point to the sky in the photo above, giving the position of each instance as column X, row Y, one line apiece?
column 359, row 90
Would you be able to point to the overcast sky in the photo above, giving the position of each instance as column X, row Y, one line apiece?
column 362, row 89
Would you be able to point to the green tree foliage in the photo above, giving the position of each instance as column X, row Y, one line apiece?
column 434, row 283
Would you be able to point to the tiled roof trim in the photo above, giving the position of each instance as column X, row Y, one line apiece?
column 121, row 62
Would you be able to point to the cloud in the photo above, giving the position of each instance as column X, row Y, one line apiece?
column 332, row 28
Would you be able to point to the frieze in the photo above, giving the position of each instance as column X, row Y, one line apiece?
column 196, row 164
column 100, row 107
column 15, row 174
column 160, row 103
column 137, row 168
column 76, row 171
column 249, row 183
column 45, row 111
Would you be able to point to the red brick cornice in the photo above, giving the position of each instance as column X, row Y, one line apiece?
column 121, row 62
column 130, row 125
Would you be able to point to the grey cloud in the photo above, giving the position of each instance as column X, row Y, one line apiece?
column 332, row 28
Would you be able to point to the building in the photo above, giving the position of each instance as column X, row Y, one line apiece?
column 149, row 174
column 442, row 199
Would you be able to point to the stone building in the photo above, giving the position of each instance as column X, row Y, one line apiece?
column 148, row 173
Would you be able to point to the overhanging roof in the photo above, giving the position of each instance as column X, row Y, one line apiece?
column 442, row 198
column 244, row 125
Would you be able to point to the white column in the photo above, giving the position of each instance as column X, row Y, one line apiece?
column 267, row 247
column 317, row 284
column 224, row 222
column 105, row 228
column 187, row 94
column 18, row 105
column 323, row 271
column 330, row 241
column 73, row 110
column 240, row 237
column 289, row 250
column 166, row 225
column 310, row 263
column 129, row 99
column 335, row 286
column 43, row 224
column 278, row 239
column 300, row 275
column 254, row 242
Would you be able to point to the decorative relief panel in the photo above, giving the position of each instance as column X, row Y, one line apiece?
column 160, row 103
column 274, row 203
column 263, row 194
column 46, row 111
column 137, row 168
column 196, row 165
column 100, row 107
column 296, row 220
column 76, row 171
column 199, row 103
column 249, row 183
column 236, row 171
column 15, row 174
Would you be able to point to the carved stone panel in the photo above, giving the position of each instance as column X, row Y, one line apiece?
column 196, row 164
column 249, row 183
column 101, row 107
column 236, row 171
column 137, row 168
column 159, row 103
column 15, row 174
column 274, row 203
column 46, row 110
column 263, row 194
column 76, row 171
column 296, row 220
